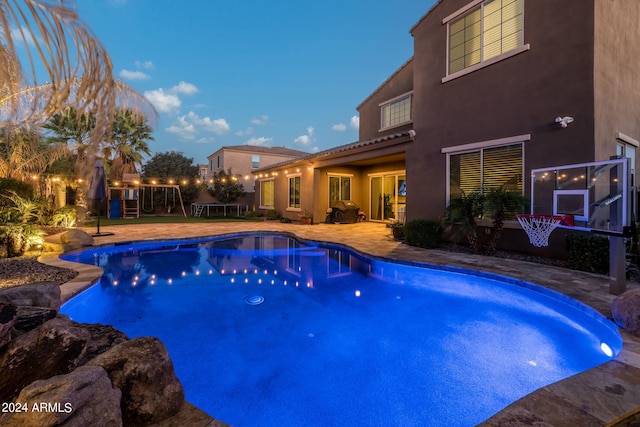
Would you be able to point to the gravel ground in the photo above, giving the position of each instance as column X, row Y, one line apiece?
column 26, row 269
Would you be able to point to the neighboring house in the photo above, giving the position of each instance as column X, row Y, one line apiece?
column 203, row 171
column 476, row 106
column 244, row 159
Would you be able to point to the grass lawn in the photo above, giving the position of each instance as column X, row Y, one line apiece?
column 168, row 220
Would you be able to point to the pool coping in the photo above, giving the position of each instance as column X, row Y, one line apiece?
column 604, row 395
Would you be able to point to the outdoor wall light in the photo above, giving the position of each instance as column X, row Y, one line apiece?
column 564, row 121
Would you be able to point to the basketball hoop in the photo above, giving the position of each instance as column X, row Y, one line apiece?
column 539, row 227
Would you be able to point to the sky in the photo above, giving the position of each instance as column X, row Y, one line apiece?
column 286, row 73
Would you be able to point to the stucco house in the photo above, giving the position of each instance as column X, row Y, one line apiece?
column 476, row 107
column 244, row 159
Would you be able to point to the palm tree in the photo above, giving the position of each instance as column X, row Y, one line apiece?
column 24, row 154
column 76, row 66
column 73, row 129
column 75, row 62
column 129, row 136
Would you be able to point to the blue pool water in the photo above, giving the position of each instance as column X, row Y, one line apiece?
column 338, row 339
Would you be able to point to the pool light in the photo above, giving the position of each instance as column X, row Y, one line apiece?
column 606, row 349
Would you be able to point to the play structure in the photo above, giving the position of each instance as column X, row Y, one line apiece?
column 128, row 201
column 592, row 197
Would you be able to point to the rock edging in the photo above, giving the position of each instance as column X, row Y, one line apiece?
column 59, row 372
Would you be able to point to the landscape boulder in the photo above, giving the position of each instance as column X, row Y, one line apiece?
column 143, row 370
column 626, row 311
column 75, row 239
column 43, row 294
column 103, row 337
column 8, row 318
column 53, row 348
column 84, row 397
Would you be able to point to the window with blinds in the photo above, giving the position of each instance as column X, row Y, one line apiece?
column 497, row 167
column 489, row 30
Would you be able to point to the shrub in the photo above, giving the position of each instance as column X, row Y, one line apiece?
column 251, row 214
column 272, row 214
column 422, row 233
column 285, row 220
column 588, row 252
column 19, row 238
column 65, row 217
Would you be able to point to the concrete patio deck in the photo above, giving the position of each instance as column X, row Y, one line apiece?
column 605, row 395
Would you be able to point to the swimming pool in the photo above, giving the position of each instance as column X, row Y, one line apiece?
column 338, row 339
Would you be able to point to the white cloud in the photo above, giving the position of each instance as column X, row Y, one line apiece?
column 164, row 102
column 306, row 140
column 246, row 132
column 25, row 36
column 354, row 123
column 146, row 65
column 263, row 120
column 184, row 88
column 262, row 141
column 134, row 75
column 189, row 126
column 168, row 101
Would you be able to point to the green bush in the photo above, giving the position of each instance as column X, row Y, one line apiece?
column 588, row 252
column 251, row 214
column 422, row 233
column 285, row 220
column 65, row 217
column 272, row 214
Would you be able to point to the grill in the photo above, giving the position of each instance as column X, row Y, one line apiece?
column 345, row 212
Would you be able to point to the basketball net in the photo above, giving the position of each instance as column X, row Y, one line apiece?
column 538, row 228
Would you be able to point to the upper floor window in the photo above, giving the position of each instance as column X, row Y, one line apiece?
column 219, row 161
column 491, row 28
column 255, row 161
column 396, row 112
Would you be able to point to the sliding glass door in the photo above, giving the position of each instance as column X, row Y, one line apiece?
column 388, row 196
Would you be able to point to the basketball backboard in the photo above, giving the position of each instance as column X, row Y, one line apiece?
column 597, row 194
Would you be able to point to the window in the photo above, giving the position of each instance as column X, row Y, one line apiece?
column 486, row 168
column 396, row 112
column 294, row 192
column 492, row 28
column 219, row 161
column 255, row 161
column 267, row 191
column 339, row 189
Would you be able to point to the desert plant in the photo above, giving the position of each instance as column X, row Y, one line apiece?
column 19, row 238
column 65, row 217
column 460, row 216
column 500, row 205
column 21, row 209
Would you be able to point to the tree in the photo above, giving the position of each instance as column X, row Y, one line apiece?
column 226, row 187
column 129, row 136
column 496, row 203
column 174, row 166
column 73, row 129
column 75, row 62
column 24, row 154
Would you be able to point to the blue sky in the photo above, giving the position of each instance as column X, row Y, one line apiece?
column 274, row 73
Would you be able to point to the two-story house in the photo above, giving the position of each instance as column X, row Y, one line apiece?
column 244, row 159
column 492, row 76
column 476, row 107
